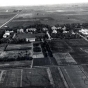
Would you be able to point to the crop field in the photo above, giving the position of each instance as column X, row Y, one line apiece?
column 77, row 42
column 14, row 54
column 74, row 52
column 2, row 46
column 84, row 49
column 64, row 58
column 80, row 58
column 57, row 77
column 41, row 61
column 80, row 50
column 59, row 46
column 19, row 47
column 24, row 78
column 5, row 16
column 21, row 23
column 75, row 75
column 14, row 51
column 51, row 16
column 36, row 77
column 85, row 67
column 16, row 64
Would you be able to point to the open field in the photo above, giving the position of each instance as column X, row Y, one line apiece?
column 19, row 47
column 36, row 77
column 77, row 49
column 80, row 50
column 64, row 59
column 5, row 16
column 45, row 77
column 16, row 52
column 51, row 15
column 81, row 58
column 59, row 46
column 15, row 64
column 2, row 47
column 77, row 42
column 24, row 78
column 70, row 55
column 41, row 61
column 75, row 76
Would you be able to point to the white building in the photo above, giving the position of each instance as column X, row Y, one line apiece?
column 7, row 34
column 54, row 31
column 31, row 29
column 84, row 31
column 20, row 30
column 53, row 28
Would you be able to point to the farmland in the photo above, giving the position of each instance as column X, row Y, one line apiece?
column 13, row 51
column 25, row 77
column 51, row 15
column 19, row 47
column 52, row 62
column 59, row 46
column 5, row 16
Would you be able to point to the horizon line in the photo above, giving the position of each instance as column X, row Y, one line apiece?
column 44, row 5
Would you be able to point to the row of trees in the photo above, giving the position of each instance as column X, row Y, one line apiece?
column 39, row 26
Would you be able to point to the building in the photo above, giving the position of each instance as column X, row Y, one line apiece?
column 7, row 34
column 54, row 31
column 84, row 31
column 20, row 30
column 27, row 36
column 31, row 29
column 53, row 27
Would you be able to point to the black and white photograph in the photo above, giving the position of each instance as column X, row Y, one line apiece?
column 43, row 43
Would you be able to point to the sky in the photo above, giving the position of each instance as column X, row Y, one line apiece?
column 37, row 2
